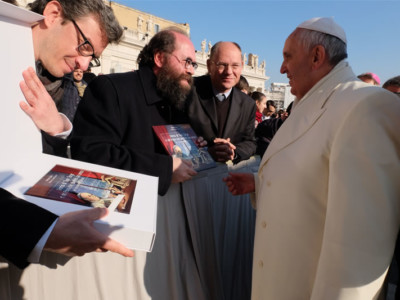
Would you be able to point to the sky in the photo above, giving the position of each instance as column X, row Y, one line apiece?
column 261, row 27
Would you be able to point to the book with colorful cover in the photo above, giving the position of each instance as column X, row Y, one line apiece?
column 179, row 140
column 87, row 188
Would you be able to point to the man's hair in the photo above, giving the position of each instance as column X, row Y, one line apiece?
column 271, row 103
column 335, row 48
column 395, row 81
column 75, row 9
column 214, row 49
column 243, row 84
column 163, row 41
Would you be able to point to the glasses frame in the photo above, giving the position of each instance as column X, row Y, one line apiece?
column 95, row 62
column 188, row 62
column 224, row 66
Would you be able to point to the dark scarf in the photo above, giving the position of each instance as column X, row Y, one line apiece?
column 54, row 86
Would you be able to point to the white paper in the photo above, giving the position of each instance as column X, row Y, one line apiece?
column 17, row 131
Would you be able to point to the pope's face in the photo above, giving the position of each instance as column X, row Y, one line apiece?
column 297, row 66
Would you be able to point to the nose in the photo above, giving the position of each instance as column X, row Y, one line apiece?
column 82, row 62
column 228, row 69
column 283, row 68
column 190, row 70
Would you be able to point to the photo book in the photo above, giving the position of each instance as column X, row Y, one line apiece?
column 87, row 188
column 180, row 140
column 63, row 185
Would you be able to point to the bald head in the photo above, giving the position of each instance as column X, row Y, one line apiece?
column 225, row 65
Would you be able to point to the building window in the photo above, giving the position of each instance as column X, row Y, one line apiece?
column 156, row 28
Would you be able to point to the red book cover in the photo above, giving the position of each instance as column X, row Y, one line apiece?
column 83, row 187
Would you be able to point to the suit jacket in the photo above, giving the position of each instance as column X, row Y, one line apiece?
column 328, row 194
column 22, row 224
column 113, row 125
column 239, row 126
column 54, row 145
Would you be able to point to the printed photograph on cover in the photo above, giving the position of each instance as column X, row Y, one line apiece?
column 181, row 141
column 87, row 188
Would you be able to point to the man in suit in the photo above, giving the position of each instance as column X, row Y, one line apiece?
column 25, row 228
column 327, row 190
column 218, row 111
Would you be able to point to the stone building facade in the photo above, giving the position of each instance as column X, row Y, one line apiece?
column 280, row 94
column 139, row 27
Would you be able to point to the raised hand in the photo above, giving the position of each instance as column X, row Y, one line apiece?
column 39, row 105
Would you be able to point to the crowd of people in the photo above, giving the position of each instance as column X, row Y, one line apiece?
column 326, row 193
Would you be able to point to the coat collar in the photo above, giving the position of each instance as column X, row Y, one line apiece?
column 308, row 110
column 149, row 83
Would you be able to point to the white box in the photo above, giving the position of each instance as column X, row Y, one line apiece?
column 18, row 133
column 135, row 230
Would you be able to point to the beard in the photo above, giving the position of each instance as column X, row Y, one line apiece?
column 168, row 84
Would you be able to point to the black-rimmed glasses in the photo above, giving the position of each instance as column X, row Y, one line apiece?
column 188, row 62
column 86, row 48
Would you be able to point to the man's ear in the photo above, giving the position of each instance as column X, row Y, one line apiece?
column 209, row 65
column 159, row 59
column 318, row 57
column 52, row 12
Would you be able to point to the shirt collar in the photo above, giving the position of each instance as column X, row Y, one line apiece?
column 226, row 94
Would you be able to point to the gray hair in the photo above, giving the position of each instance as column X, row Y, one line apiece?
column 335, row 48
column 75, row 9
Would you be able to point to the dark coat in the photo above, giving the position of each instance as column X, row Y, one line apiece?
column 113, row 125
column 240, row 123
column 265, row 131
column 22, row 224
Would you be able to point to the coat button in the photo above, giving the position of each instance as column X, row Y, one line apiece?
column 268, row 183
column 260, row 263
column 264, row 224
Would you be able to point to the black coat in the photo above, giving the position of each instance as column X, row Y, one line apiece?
column 240, row 124
column 113, row 125
column 22, row 224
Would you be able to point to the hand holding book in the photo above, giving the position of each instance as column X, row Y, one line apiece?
column 74, row 234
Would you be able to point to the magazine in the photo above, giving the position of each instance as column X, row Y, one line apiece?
column 87, row 188
column 181, row 141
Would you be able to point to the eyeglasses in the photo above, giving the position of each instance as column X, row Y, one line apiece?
column 86, row 48
column 188, row 62
column 224, row 66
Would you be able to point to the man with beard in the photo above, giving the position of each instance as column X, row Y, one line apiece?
column 113, row 124
column 113, row 127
